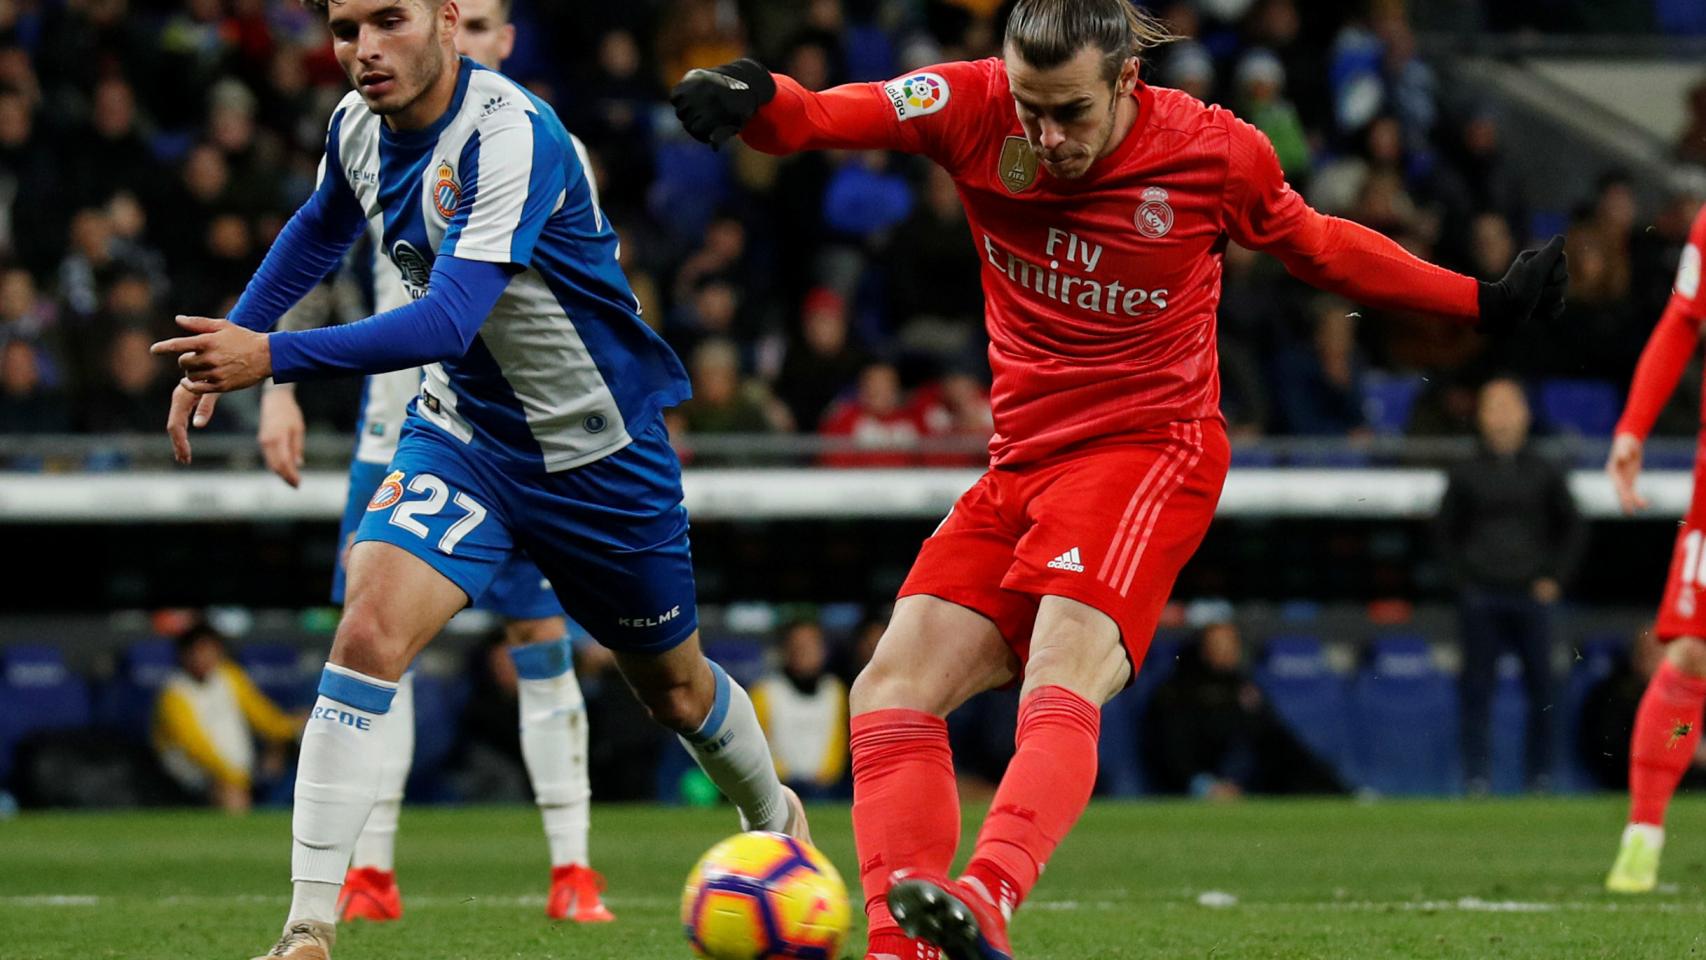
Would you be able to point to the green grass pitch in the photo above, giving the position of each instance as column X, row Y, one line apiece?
column 1507, row 879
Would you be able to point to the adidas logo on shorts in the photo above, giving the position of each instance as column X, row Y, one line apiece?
column 1070, row 560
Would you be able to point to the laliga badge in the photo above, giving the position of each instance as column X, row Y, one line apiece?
column 1017, row 167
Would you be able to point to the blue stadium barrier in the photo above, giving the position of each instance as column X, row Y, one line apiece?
column 38, row 692
column 439, row 701
column 1588, row 408
column 1680, row 16
column 1509, row 734
column 1598, row 656
column 1310, row 698
column 1404, row 711
column 126, row 702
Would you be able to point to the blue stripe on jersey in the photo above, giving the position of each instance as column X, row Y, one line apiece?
column 470, row 170
column 628, row 353
column 485, row 397
column 552, row 155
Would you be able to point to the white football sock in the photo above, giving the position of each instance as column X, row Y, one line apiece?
column 730, row 747
column 377, row 845
column 337, row 777
column 553, row 744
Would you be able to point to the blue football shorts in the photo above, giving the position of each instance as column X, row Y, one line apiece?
column 610, row 537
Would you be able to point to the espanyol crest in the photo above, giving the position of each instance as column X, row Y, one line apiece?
column 1154, row 217
column 447, row 193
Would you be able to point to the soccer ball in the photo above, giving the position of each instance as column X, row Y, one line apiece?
column 760, row 896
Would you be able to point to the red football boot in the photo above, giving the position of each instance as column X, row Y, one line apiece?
column 575, row 896
column 956, row 915
column 370, row 894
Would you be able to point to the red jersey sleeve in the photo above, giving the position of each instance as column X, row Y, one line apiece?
column 1264, row 213
column 933, row 112
column 1673, row 342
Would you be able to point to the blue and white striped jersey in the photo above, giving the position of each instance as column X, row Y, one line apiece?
column 563, row 365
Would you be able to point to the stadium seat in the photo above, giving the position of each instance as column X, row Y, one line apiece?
column 278, row 670
column 1587, row 408
column 868, row 52
column 739, row 654
column 1256, row 456
column 126, row 702
column 1309, row 697
column 1120, row 750
column 1596, row 657
column 439, row 701
column 1387, row 399
column 38, row 692
column 1404, row 714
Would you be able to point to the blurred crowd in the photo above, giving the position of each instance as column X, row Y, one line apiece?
column 150, row 150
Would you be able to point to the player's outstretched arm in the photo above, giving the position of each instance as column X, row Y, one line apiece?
column 1264, row 213
column 439, row 326
column 774, row 114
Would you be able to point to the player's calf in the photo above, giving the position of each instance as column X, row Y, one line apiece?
column 715, row 720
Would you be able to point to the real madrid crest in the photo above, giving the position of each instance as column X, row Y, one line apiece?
column 1153, row 217
column 1017, row 168
column 447, row 193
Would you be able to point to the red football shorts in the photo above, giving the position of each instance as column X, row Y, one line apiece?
column 1682, row 613
column 1109, row 526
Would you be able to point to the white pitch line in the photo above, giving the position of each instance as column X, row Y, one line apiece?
column 508, row 901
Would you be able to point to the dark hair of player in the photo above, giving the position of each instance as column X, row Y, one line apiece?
column 1047, row 33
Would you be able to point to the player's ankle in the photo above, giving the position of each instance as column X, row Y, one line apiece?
column 994, row 885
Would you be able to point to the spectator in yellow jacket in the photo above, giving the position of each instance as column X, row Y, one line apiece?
column 803, row 709
column 207, row 718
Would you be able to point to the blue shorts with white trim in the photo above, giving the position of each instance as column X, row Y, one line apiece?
column 518, row 592
column 610, row 537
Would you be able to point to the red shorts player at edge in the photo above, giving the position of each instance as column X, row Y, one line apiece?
column 1667, row 724
column 1100, row 208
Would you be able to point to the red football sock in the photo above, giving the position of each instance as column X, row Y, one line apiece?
column 1046, row 788
column 1667, row 730
column 906, row 806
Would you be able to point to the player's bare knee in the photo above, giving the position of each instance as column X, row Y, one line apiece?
column 1086, row 662
column 884, row 685
column 1688, row 655
column 364, row 643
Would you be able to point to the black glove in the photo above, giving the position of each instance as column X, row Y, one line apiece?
column 714, row 104
column 1534, row 286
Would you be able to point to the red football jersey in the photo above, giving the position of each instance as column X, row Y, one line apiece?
column 1673, row 341
column 1100, row 292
